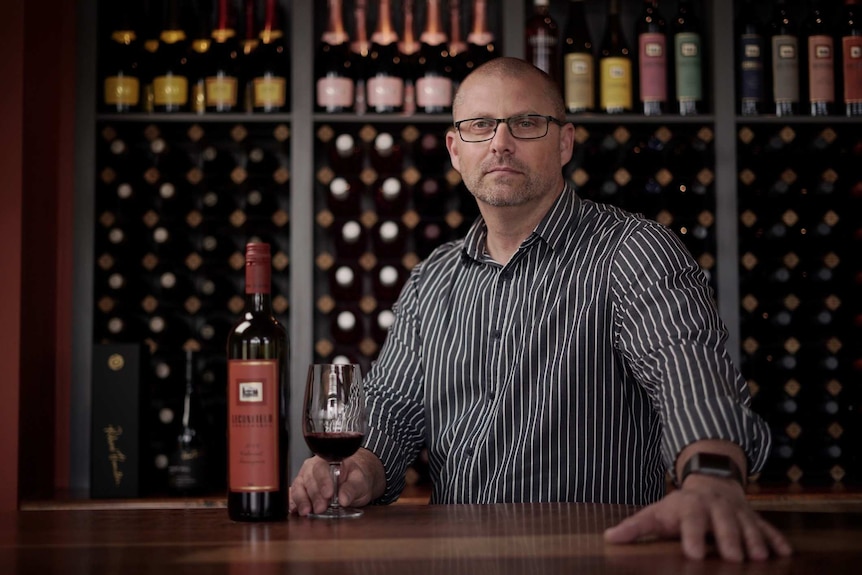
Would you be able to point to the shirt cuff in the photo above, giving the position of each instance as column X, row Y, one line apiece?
column 393, row 458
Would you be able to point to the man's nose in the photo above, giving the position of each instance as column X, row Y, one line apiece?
column 503, row 138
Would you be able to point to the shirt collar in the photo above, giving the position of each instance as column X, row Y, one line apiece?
column 554, row 228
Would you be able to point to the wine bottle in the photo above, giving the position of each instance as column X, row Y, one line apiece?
column 579, row 82
column 408, row 48
column 434, row 84
column 271, row 64
column 151, row 27
column 687, row 59
column 345, row 155
column 386, row 155
column 169, row 72
column 615, row 66
column 785, row 61
column 200, row 31
column 480, row 40
column 389, row 239
column 388, row 281
column 258, row 353
column 389, row 196
column 380, row 325
column 851, row 57
column 360, row 56
column 187, row 470
column 385, row 83
column 652, row 59
column 344, row 196
column 345, row 327
column 121, row 66
column 752, row 55
column 458, row 49
column 222, row 82
column 542, row 44
column 819, row 70
column 350, row 240
column 345, row 283
column 335, row 85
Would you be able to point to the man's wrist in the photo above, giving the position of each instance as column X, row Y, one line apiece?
column 714, row 465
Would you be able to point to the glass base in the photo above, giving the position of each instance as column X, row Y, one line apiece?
column 338, row 513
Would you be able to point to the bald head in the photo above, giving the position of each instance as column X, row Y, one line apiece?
column 505, row 68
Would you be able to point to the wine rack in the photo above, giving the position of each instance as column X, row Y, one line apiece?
column 176, row 196
column 175, row 204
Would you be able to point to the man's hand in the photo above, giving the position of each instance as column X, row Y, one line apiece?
column 362, row 480
column 702, row 506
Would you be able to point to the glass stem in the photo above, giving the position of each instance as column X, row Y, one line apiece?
column 335, row 473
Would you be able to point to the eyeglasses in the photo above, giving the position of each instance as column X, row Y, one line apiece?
column 523, row 127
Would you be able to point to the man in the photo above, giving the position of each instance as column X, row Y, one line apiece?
column 563, row 351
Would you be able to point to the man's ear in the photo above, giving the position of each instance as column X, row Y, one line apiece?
column 452, row 141
column 567, row 143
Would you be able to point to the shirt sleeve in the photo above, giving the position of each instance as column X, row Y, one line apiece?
column 394, row 394
column 674, row 342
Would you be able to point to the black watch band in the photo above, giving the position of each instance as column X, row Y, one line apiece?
column 714, row 465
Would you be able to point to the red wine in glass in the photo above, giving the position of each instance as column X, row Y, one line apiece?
column 333, row 422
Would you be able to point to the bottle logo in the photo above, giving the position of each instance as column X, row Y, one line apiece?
column 752, row 51
column 269, row 91
column 822, row 52
column 856, row 52
column 688, row 49
column 653, row 50
column 434, row 91
column 170, row 90
column 122, row 90
column 385, row 91
column 787, row 51
column 333, row 91
column 221, row 91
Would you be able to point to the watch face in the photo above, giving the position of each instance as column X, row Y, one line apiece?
column 712, row 464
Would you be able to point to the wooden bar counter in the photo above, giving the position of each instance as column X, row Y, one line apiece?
column 404, row 539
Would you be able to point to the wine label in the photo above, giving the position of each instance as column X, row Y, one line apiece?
column 122, row 90
column 821, row 68
column 616, row 83
column 689, row 85
column 334, row 91
column 579, row 81
column 253, row 404
column 433, row 91
column 653, row 67
column 785, row 68
column 852, row 65
column 170, row 90
column 751, row 49
column 385, row 91
column 270, row 92
column 221, row 91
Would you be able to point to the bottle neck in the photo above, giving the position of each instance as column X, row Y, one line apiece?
column 258, row 303
column 335, row 33
column 433, row 34
column 385, row 33
column 480, row 35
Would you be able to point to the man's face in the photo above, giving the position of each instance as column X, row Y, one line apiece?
column 506, row 171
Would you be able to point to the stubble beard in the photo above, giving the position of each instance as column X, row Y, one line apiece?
column 503, row 191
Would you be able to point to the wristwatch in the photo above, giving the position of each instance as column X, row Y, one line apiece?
column 714, row 465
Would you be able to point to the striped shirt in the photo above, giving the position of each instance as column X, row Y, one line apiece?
column 576, row 372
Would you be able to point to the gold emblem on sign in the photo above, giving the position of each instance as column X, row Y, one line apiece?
column 116, row 362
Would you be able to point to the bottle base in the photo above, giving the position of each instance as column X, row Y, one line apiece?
column 256, row 506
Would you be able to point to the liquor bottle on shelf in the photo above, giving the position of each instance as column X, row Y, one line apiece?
column 751, row 56
column 819, row 71
column 408, row 48
column 458, row 50
column 387, row 282
column 360, row 55
column 258, row 353
column 344, row 196
column 122, row 64
column 335, row 85
column 200, row 31
column 222, row 83
column 345, row 327
column 389, row 239
column 151, row 25
column 434, row 83
column 542, row 42
column 579, row 81
column 250, row 39
column 169, row 73
column 390, row 198
column 345, row 155
column 385, row 79
column 386, row 154
column 615, row 63
column 652, row 59
column 430, row 196
column 350, row 239
column 785, row 61
column 345, row 283
column 851, row 57
column 430, row 153
column 188, row 469
column 380, row 324
column 271, row 64
column 480, row 40
column 688, row 49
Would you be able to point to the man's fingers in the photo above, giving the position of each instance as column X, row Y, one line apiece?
column 692, row 533
column 643, row 524
column 727, row 532
column 777, row 541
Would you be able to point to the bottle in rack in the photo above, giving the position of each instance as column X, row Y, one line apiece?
column 188, row 469
column 851, row 57
column 688, row 49
column 222, row 83
column 579, row 81
column 458, row 52
column 480, row 40
column 615, row 64
column 258, row 352
column 271, row 68
column 200, row 30
column 434, row 84
column 408, row 48
column 360, row 55
column 751, row 59
column 169, row 62
column 335, row 85
column 652, row 59
column 121, row 66
column 785, row 61
column 542, row 49
column 820, row 61
column 385, row 80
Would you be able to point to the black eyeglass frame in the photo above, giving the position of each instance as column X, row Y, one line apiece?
column 549, row 119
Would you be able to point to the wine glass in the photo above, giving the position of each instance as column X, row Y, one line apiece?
column 333, row 422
